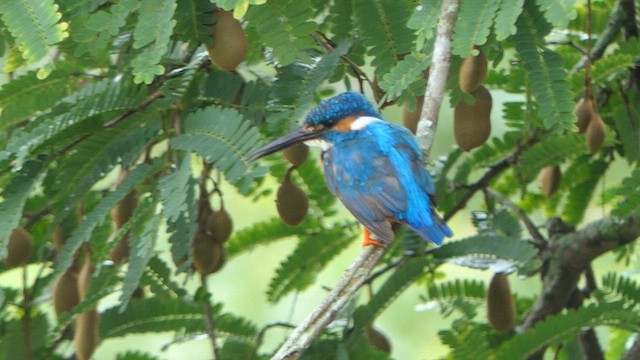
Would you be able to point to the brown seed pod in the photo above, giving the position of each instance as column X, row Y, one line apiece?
column 501, row 310
column 86, row 272
column 410, row 119
column 65, row 292
column 473, row 71
column 86, row 336
column 549, row 179
column 472, row 123
column 584, row 111
column 121, row 251
column 292, row 202
column 378, row 339
column 123, row 211
column 595, row 133
column 296, row 154
column 220, row 225
column 206, row 253
column 58, row 238
column 19, row 247
column 229, row 41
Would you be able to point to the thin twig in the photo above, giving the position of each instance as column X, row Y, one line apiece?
column 353, row 278
column 210, row 321
column 26, row 318
column 538, row 240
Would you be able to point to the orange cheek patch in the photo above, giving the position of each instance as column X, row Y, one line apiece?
column 344, row 125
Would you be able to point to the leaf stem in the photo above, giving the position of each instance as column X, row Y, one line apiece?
column 210, row 321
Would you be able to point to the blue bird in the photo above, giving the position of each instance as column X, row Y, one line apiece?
column 373, row 166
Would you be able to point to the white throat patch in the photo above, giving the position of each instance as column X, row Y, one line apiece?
column 324, row 145
column 362, row 122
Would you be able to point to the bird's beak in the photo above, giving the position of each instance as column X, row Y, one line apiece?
column 299, row 135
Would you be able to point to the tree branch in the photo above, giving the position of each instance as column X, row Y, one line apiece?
column 437, row 76
column 569, row 255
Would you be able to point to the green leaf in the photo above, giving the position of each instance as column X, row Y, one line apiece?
column 505, row 22
column 96, row 217
column 135, row 355
column 545, row 72
column 223, row 138
column 313, row 252
column 629, row 193
column 34, row 26
column 259, row 233
column 383, row 26
column 473, row 25
column 556, row 327
column 24, row 96
column 157, row 276
column 13, row 342
column 627, row 122
column 481, row 251
column 151, row 314
column 97, row 32
column 424, row 20
column 404, row 74
column 400, row 279
column 152, row 33
column 14, row 196
column 622, row 286
column 193, row 21
column 558, row 12
column 285, row 26
column 552, row 150
column 581, row 189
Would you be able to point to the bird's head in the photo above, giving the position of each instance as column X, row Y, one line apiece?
column 336, row 114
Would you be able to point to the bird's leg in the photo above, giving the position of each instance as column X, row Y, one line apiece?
column 370, row 239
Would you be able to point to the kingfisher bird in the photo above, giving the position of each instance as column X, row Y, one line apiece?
column 373, row 166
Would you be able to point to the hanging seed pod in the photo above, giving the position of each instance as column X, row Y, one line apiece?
column 296, row 154
column 584, row 111
column 377, row 339
column 121, row 251
column 229, row 41
column 86, row 336
column 410, row 119
column 65, row 292
column 292, row 202
column 19, row 247
column 595, row 133
column 549, row 179
column 86, row 272
column 472, row 123
column 58, row 239
column 120, row 214
column 501, row 309
column 473, row 71
column 206, row 253
column 220, row 225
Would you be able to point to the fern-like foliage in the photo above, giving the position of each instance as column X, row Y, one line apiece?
column 556, row 327
column 550, row 151
column 178, row 198
column 623, row 287
column 482, row 251
column 223, row 138
column 401, row 278
column 14, row 195
column 193, row 20
column 424, row 20
column 558, row 12
column 473, row 25
column 505, row 22
column 629, row 193
column 151, row 315
column 13, row 344
column 545, row 71
column 98, row 214
column 627, row 121
column 27, row 94
column 284, row 25
column 157, row 275
column 34, row 25
column 260, row 233
column 135, row 355
column 467, row 340
column 383, row 26
column 581, row 180
column 152, row 33
column 462, row 295
column 96, row 33
column 294, row 91
column 313, row 252
column 404, row 74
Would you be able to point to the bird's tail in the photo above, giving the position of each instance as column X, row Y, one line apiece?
column 436, row 231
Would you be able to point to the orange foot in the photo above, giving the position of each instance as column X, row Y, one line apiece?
column 367, row 240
